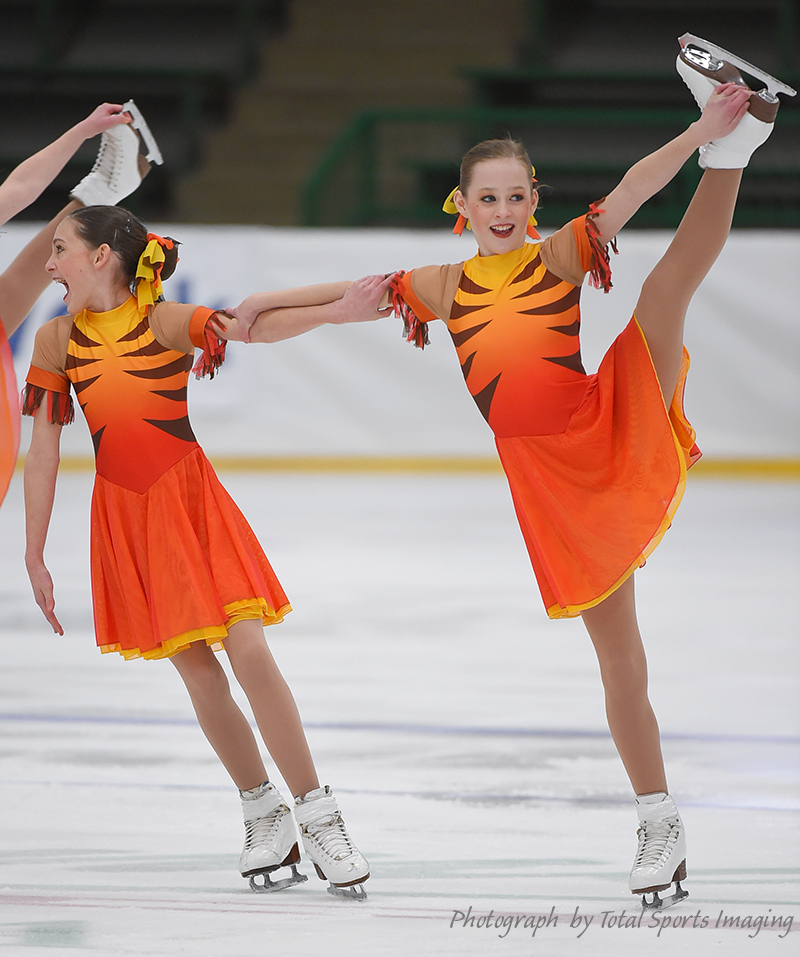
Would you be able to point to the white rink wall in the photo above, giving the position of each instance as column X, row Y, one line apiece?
column 360, row 390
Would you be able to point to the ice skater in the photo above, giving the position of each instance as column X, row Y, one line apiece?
column 596, row 463
column 117, row 172
column 176, row 570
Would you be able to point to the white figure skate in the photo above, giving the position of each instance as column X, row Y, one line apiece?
column 119, row 167
column 328, row 844
column 270, row 840
column 703, row 66
column 661, row 855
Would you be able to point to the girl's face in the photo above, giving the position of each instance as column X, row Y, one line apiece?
column 80, row 269
column 498, row 203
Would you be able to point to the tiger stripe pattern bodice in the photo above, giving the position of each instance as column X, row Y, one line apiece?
column 516, row 329
column 133, row 392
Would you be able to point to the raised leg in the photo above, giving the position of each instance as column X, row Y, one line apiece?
column 25, row 278
column 614, row 631
column 668, row 290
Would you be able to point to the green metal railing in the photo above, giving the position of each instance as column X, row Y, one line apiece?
column 355, row 183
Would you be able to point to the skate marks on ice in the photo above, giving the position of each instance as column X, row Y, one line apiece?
column 106, row 863
column 464, row 734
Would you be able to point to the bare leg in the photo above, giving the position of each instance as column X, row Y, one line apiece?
column 273, row 705
column 614, row 631
column 25, row 279
column 222, row 721
column 668, row 290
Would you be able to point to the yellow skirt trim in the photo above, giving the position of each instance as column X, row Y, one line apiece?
column 213, row 635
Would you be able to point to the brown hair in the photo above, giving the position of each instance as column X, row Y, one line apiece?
column 125, row 235
column 507, row 148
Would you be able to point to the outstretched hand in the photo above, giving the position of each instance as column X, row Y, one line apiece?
column 362, row 300
column 295, row 311
column 42, row 585
column 245, row 315
column 103, row 118
column 723, row 111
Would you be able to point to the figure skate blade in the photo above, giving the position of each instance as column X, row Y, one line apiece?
column 138, row 123
column 659, row 903
column 268, row 886
column 352, row 892
column 774, row 86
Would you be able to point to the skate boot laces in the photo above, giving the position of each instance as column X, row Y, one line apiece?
column 110, row 160
column 656, row 842
column 330, row 836
column 264, row 830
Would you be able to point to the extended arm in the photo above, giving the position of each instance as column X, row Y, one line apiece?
column 41, row 469
column 273, row 316
column 33, row 175
column 725, row 107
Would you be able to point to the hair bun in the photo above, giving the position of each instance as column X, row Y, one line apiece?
column 169, row 247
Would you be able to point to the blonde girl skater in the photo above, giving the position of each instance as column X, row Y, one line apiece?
column 596, row 463
column 117, row 172
column 177, row 572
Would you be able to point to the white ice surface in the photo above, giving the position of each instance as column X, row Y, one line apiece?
column 463, row 732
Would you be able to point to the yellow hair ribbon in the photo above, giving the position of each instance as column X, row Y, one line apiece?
column 450, row 207
column 148, row 271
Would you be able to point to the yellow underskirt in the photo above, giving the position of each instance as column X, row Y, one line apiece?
column 213, row 635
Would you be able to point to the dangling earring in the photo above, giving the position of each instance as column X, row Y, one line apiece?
column 531, row 227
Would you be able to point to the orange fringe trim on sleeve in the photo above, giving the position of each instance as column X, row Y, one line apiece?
column 414, row 329
column 213, row 347
column 600, row 271
column 60, row 410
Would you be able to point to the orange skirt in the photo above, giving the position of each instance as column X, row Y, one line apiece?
column 176, row 564
column 9, row 415
column 594, row 501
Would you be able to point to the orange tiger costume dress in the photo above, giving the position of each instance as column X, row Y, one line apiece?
column 596, row 463
column 9, row 414
column 173, row 559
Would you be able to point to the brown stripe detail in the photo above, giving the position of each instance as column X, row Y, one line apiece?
column 140, row 330
column 467, row 364
column 573, row 329
column 81, row 338
column 153, row 348
column 96, row 436
column 179, row 428
column 459, row 338
column 460, row 309
column 75, row 362
column 483, row 399
column 175, row 395
column 471, row 287
column 183, row 364
column 80, row 386
column 572, row 362
column 560, row 305
column 529, row 270
column 548, row 281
